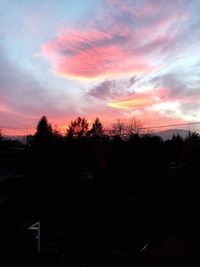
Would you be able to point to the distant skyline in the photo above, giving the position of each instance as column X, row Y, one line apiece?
column 107, row 58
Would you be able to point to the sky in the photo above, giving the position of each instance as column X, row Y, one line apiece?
column 98, row 58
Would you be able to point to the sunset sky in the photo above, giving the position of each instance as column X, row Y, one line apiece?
column 106, row 58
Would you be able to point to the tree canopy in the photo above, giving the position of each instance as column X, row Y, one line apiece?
column 77, row 128
column 44, row 132
column 97, row 128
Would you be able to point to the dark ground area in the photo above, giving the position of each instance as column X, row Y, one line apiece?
column 102, row 202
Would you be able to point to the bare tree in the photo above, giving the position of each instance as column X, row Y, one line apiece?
column 134, row 126
column 118, row 128
column 128, row 127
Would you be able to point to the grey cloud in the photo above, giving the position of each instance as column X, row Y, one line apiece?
column 111, row 89
column 190, row 107
column 178, row 85
column 132, row 81
column 103, row 90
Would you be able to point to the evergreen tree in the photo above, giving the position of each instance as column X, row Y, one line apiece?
column 44, row 133
column 97, row 128
column 77, row 128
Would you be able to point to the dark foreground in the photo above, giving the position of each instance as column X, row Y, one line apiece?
column 102, row 203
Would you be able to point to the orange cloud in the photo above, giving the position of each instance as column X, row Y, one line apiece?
column 130, row 103
column 139, row 100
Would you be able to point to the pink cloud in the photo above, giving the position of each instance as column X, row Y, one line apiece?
column 119, row 42
column 3, row 108
column 93, row 54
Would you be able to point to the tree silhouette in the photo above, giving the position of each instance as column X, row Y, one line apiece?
column 77, row 128
column 134, row 126
column 44, row 133
column 192, row 137
column 1, row 137
column 191, row 150
column 97, row 129
column 123, row 127
column 57, row 136
column 118, row 128
column 176, row 138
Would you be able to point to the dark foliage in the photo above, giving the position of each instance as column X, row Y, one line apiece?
column 97, row 129
column 44, row 133
column 109, row 196
column 77, row 128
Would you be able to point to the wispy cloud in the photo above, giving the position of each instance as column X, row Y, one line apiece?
column 122, row 44
column 111, row 89
column 92, row 57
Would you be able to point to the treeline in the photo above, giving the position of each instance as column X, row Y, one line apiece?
column 119, row 186
column 79, row 129
column 114, row 187
column 124, row 146
column 127, row 136
column 7, row 144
